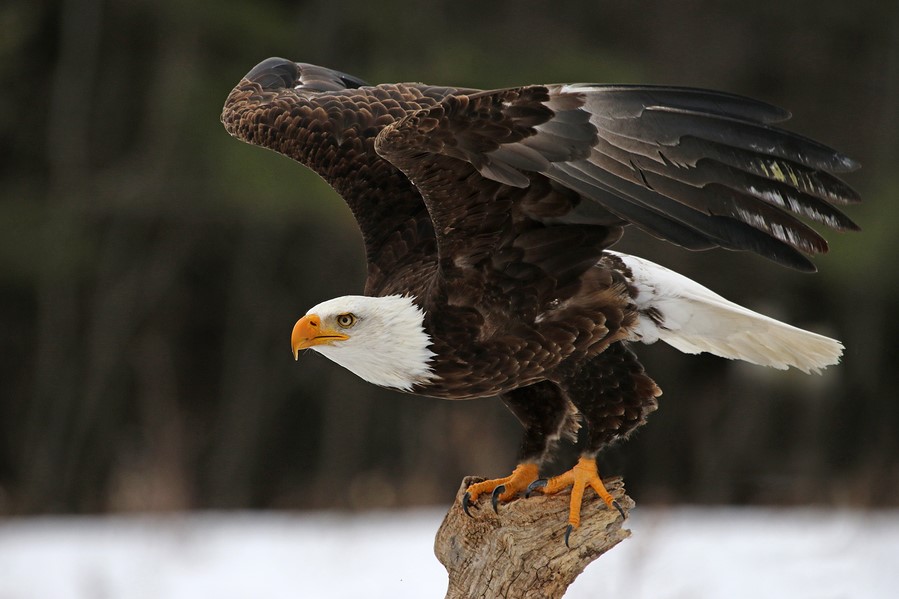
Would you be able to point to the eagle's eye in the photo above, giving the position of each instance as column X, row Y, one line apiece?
column 346, row 320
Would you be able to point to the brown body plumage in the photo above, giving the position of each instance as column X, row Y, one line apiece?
column 493, row 212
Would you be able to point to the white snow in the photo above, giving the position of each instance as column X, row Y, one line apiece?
column 674, row 553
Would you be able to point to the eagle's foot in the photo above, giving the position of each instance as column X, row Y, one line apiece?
column 583, row 474
column 501, row 489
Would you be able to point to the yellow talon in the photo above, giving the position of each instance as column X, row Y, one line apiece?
column 516, row 482
column 583, row 474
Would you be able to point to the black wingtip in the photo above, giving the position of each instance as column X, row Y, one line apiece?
column 845, row 164
column 274, row 73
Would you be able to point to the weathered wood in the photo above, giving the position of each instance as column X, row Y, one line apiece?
column 520, row 552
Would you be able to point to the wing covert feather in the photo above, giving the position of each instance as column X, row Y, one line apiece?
column 697, row 168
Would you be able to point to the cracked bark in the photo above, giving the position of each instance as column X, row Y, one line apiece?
column 520, row 552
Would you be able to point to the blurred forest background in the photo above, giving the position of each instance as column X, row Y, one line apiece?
column 151, row 267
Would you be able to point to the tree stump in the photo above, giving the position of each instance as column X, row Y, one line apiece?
column 521, row 552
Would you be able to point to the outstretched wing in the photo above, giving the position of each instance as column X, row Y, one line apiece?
column 491, row 217
column 698, row 168
column 328, row 121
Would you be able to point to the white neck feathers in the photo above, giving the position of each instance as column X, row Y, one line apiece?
column 387, row 345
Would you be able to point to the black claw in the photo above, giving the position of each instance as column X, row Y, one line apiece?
column 466, row 503
column 617, row 506
column 537, row 484
column 494, row 499
column 568, row 534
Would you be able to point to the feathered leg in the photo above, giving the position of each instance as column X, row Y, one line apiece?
column 546, row 415
column 614, row 396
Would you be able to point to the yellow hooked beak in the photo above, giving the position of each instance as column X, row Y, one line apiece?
column 308, row 331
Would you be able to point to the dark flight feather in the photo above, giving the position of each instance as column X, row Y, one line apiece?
column 698, row 168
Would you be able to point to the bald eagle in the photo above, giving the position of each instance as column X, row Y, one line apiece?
column 487, row 218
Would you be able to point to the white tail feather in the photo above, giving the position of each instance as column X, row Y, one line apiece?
column 693, row 319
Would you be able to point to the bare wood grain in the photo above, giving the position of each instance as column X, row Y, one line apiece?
column 520, row 552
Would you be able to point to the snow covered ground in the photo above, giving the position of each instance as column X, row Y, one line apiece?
column 688, row 553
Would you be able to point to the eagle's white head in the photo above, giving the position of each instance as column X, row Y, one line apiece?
column 380, row 339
